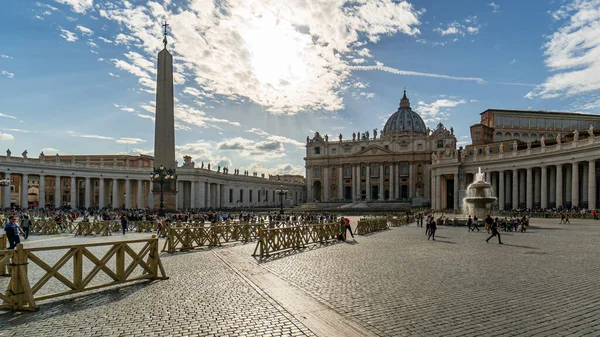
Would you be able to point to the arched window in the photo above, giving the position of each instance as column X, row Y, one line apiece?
column 375, row 170
column 363, row 171
column 348, row 171
column 517, row 135
column 404, row 169
column 387, row 170
column 498, row 136
column 534, row 137
column 525, row 137
column 507, row 136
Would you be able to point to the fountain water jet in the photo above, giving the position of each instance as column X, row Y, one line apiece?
column 479, row 197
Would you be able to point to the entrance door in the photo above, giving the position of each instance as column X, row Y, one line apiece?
column 374, row 192
column 348, row 192
column 450, row 194
column 317, row 190
column 404, row 192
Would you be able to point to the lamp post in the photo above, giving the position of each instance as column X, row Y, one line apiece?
column 162, row 175
column 281, row 192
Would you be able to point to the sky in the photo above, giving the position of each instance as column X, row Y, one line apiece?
column 254, row 78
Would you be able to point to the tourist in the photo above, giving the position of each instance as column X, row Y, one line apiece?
column 347, row 227
column 475, row 223
column 595, row 214
column 124, row 223
column 427, row 224
column 494, row 228
column 469, row 223
column 25, row 225
column 432, row 229
column 488, row 223
column 562, row 217
column 567, row 219
column 160, row 226
column 12, row 230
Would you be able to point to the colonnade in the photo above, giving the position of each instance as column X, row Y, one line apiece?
column 368, row 181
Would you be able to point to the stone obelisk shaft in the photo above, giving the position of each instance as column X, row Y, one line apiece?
column 164, row 127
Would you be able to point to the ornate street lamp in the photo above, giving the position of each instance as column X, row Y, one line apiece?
column 162, row 175
column 281, row 192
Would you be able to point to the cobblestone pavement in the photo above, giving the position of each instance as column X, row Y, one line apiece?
column 540, row 283
column 394, row 283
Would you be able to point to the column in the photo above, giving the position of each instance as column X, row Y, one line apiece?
column 358, row 182
column 584, row 185
column 368, row 185
column 501, row 190
column 73, row 191
column 115, row 193
column 381, row 175
column 575, row 184
column 412, row 187
column 522, row 186
column 568, row 184
column 438, row 193
column 140, row 193
column 544, row 183
column 325, row 183
column 529, row 199
column 559, row 185
column 193, row 194
column 433, row 192
column 218, row 197
column 6, row 191
column 88, row 192
column 427, row 180
column 57, row 199
column 592, row 185
column 353, row 175
column 552, row 190
column 101, row 193
column 536, row 190
column 208, row 192
column 392, row 189
column 494, row 178
column 24, row 190
column 341, row 183
column 309, row 190
column 42, row 196
column 515, row 189
column 397, row 182
column 456, row 203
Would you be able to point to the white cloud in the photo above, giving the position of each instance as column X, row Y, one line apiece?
column 6, row 136
column 285, row 56
column 7, row 116
column 113, row 75
column 124, row 108
column 78, row 6
column 92, row 44
column 49, row 150
column 152, row 118
column 68, row 35
column 84, row 30
column 130, row 141
column 438, row 110
column 416, row 73
column 124, row 39
column 105, row 40
column 281, row 139
column 5, row 56
column 8, row 74
column 573, row 52
column 456, row 28
column 495, row 7
column 16, row 130
column 513, row 61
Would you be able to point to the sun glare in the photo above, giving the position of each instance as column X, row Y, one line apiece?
column 276, row 51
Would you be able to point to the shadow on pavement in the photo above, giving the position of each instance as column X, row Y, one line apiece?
column 518, row 246
column 443, row 241
column 289, row 252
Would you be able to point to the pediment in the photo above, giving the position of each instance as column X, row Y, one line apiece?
column 373, row 150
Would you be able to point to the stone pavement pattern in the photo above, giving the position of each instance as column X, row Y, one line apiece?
column 395, row 283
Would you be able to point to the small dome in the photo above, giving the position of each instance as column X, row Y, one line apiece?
column 405, row 119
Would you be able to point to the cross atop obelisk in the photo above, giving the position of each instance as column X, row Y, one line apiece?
column 165, row 34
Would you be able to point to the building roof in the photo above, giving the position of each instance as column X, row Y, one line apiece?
column 405, row 119
column 543, row 112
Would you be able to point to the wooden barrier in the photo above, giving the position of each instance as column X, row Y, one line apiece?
column 22, row 296
column 366, row 226
column 185, row 238
column 3, row 261
column 103, row 228
column 276, row 240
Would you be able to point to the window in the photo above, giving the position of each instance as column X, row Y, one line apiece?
column 347, row 150
column 491, row 149
column 250, row 193
column 582, row 125
column 573, row 125
column 230, row 195
column 471, row 153
column 534, row 137
column 273, row 195
column 404, row 169
column 387, row 170
column 549, row 123
column 507, row 136
column 267, row 196
column 375, row 170
column 362, row 148
column 511, row 147
column 440, row 144
column 387, row 147
column 480, row 151
column 540, row 122
column 363, row 171
column 317, row 173
column 499, row 121
column 317, row 150
column 241, row 195
column 333, row 151
column 348, row 172
column 525, row 137
column 524, row 122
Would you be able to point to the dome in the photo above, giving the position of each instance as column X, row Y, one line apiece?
column 405, row 120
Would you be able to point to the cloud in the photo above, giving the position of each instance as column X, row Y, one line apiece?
column 288, row 57
column 105, row 40
column 469, row 27
column 124, row 108
column 78, row 6
column 84, row 30
column 438, row 110
column 495, row 7
column 572, row 52
column 49, row 150
column 113, row 75
column 6, row 136
column 130, row 141
column 68, row 35
column 15, row 130
column 8, row 74
column 5, row 56
column 76, row 134
column 7, row 116
column 152, row 118
column 281, row 139
column 416, row 73
column 513, row 61
column 92, row 44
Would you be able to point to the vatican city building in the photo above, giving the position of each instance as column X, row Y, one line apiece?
column 533, row 159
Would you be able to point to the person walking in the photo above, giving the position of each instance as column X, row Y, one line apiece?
column 26, row 226
column 567, row 219
column 124, row 223
column 347, row 226
column 159, row 224
column 475, row 223
column 12, row 230
column 427, row 224
column 488, row 223
column 469, row 223
column 562, row 217
column 432, row 229
column 494, row 228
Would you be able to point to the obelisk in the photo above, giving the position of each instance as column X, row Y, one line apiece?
column 164, row 126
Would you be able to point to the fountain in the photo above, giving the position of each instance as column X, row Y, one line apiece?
column 479, row 197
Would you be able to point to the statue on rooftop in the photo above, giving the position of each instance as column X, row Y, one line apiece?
column 543, row 141
column 8, row 153
column 575, row 135
column 558, row 138
column 591, row 131
column 375, row 133
column 340, row 136
column 353, row 136
column 24, row 154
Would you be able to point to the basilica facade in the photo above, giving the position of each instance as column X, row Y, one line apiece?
column 394, row 165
